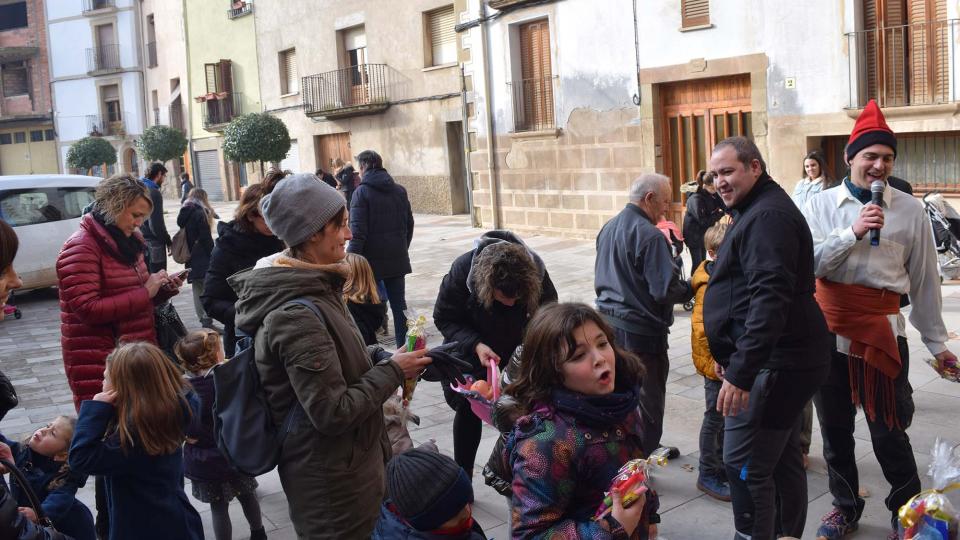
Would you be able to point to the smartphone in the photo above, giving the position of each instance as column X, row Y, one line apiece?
column 181, row 274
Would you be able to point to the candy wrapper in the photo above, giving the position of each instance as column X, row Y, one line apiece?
column 930, row 515
column 631, row 481
column 416, row 340
column 949, row 370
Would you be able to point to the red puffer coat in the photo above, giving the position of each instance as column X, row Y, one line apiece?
column 103, row 301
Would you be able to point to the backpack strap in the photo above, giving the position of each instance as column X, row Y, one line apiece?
column 293, row 413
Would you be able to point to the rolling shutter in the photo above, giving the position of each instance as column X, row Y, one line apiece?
column 288, row 70
column 443, row 38
column 292, row 161
column 208, row 174
column 694, row 13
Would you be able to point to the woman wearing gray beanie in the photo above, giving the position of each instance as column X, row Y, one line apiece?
column 332, row 462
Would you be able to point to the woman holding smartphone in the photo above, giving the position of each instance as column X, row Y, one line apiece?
column 107, row 295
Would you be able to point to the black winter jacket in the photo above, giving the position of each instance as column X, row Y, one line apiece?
column 381, row 222
column 154, row 229
column 703, row 210
column 460, row 316
column 759, row 311
column 369, row 318
column 193, row 218
column 636, row 281
column 16, row 526
column 234, row 251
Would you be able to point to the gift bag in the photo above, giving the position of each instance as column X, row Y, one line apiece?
column 481, row 394
column 416, row 340
column 930, row 515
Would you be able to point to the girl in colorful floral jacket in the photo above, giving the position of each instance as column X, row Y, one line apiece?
column 580, row 396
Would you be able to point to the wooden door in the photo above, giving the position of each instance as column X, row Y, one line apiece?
column 331, row 147
column 696, row 116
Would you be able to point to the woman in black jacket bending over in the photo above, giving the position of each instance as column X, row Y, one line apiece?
column 241, row 243
column 485, row 302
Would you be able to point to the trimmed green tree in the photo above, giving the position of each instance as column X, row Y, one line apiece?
column 256, row 137
column 89, row 152
column 161, row 143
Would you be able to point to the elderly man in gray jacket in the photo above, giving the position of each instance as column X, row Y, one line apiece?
column 637, row 285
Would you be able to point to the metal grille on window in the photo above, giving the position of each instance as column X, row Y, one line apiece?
column 533, row 93
column 443, row 37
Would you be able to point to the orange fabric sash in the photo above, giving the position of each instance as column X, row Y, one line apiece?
column 860, row 314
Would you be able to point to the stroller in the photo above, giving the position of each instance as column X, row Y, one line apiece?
column 675, row 239
column 945, row 221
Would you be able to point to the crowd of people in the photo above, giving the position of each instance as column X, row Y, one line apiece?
column 796, row 301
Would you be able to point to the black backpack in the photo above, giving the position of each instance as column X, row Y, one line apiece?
column 243, row 426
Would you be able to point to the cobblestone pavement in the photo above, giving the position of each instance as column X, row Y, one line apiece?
column 30, row 355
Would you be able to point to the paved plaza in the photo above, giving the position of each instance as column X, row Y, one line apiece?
column 30, row 355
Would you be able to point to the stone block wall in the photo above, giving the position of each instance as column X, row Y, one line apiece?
column 428, row 194
column 568, row 183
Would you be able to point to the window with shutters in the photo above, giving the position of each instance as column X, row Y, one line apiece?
column 219, row 77
column 441, row 36
column 221, row 102
column 533, row 92
column 15, row 78
column 903, row 54
column 289, row 80
column 694, row 13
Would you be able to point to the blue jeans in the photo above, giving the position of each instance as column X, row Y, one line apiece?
column 393, row 290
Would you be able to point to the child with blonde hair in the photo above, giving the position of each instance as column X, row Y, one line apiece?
column 43, row 460
column 363, row 301
column 213, row 480
column 712, row 479
column 132, row 434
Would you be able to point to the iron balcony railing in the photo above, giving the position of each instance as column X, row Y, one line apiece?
column 361, row 88
column 152, row 54
column 93, row 5
column 533, row 108
column 913, row 64
column 103, row 58
column 97, row 125
column 219, row 112
column 239, row 9
column 176, row 116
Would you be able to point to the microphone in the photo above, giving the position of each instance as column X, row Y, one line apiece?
column 876, row 197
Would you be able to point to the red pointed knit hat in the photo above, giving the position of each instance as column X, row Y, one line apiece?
column 870, row 129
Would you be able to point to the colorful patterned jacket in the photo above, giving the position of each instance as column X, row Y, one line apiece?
column 561, row 469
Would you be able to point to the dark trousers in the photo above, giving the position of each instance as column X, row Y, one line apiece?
column 103, row 513
column 395, row 288
column 761, row 450
column 156, row 257
column 652, row 351
column 697, row 253
column 711, row 432
column 837, row 413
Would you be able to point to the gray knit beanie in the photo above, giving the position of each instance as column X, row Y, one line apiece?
column 427, row 488
column 299, row 206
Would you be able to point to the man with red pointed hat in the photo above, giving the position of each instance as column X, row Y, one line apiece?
column 859, row 283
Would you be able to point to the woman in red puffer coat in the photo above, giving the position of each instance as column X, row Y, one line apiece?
column 106, row 293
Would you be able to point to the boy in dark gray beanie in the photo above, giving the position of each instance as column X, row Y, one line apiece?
column 428, row 497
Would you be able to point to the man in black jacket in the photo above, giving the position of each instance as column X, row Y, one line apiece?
column 154, row 229
column 381, row 222
column 767, row 332
column 637, row 284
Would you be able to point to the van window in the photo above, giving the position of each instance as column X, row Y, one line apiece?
column 43, row 205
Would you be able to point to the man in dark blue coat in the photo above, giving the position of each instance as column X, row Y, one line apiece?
column 381, row 222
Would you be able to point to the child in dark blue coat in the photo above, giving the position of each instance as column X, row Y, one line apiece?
column 43, row 460
column 131, row 433
column 213, row 480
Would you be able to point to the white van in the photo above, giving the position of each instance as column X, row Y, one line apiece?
column 44, row 210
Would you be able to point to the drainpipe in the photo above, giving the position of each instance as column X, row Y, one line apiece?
column 465, row 129
column 491, row 133
column 185, row 92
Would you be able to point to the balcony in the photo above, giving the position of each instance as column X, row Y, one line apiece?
column 533, row 108
column 97, row 126
column 97, row 5
column 176, row 116
column 103, row 59
column 152, row 54
column 352, row 91
column 217, row 113
column 239, row 9
column 905, row 65
column 504, row 4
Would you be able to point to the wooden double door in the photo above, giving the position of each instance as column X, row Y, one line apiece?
column 696, row 116
column 331, row 147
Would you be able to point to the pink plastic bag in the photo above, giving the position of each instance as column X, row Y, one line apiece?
column 481, row 406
